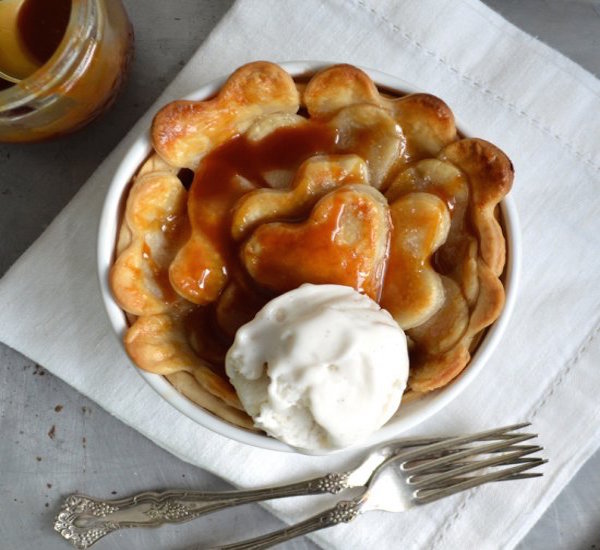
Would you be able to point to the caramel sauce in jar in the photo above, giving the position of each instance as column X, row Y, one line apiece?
column 80, row 50
column 42, row 25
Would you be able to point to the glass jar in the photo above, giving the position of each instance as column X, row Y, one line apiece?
column 79, row 81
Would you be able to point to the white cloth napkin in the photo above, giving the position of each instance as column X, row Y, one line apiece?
column 538, row 106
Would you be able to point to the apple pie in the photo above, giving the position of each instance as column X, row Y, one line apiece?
column 315, row 180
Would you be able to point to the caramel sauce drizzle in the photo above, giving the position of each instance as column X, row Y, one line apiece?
column 216, row 188
column 222, row 178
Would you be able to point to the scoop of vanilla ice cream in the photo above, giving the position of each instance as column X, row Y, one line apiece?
column 320, row 367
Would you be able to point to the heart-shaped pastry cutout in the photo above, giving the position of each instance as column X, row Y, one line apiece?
column 413, row 290
column 183, row 131
column 155, row 226
column 370, row 132
column 315, row 177
column 490, row 174
column 344, row 241
column 457, row 257
column 426, row 122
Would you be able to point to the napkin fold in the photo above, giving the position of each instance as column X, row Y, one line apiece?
column 540, row 108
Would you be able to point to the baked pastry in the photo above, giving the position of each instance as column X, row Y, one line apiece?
column 343, row 241
column 325, row 181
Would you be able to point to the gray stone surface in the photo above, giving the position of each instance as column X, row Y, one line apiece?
column 54, row 441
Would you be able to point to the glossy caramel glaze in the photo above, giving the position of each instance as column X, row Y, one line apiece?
column 203, row 267
column 344, row 241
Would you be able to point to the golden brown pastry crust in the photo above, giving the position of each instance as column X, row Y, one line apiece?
column 158, row 344
column 184, row 131
column 426, row 121
column 438, row 370
column 336, row 87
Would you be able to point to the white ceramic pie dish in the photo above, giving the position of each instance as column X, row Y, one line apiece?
column 410, row 414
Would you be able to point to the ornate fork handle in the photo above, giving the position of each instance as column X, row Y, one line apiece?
column 84, row 520
column 343, row 512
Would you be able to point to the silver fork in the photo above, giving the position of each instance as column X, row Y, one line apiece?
column 419, row 476
column 84, row 520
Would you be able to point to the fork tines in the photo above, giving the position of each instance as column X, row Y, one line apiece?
column 438, row 470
